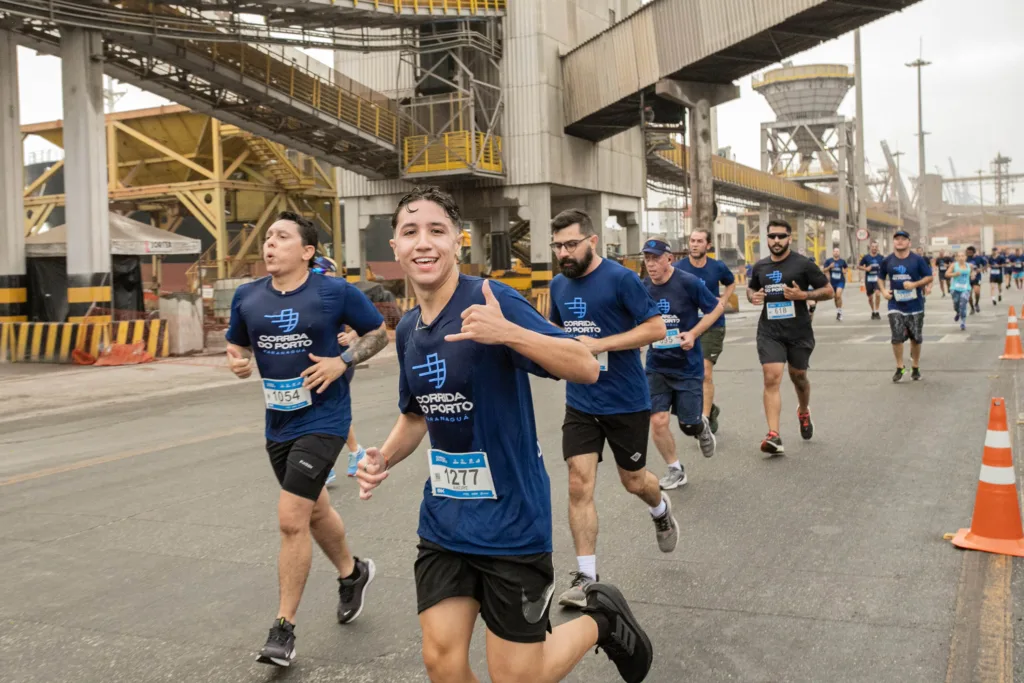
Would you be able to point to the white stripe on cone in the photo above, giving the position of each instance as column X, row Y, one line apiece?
column 1013, row 333
column 997, row 439
column 997, row 475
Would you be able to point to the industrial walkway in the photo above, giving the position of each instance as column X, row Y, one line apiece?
column 138, row 537
column 749, row 185
column 707, row 41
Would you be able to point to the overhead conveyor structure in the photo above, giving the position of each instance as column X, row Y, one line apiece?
column 214, row 65
column 645, row 57
column 750, row 186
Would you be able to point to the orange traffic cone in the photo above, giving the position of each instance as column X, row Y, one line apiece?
column 1012, row 350
column 996, row 526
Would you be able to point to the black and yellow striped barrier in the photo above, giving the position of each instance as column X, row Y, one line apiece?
column 54, row 342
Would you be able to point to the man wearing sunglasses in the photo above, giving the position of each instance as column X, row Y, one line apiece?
column 783, row 283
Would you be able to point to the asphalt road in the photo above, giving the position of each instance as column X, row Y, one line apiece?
column 138, row 541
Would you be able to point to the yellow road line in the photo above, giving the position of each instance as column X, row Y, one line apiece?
column 60, row 469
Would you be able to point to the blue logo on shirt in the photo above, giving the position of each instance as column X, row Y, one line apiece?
column 287, row 320
column 775, row 276
column 577, row 306
column 900, row 269
column 663, row 306
column 435, row 370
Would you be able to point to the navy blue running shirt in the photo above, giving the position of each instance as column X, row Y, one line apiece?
column 872, row 263
column 611, row 300
column 683, row 300
column 282, row 330
column 713, row 273
column 899, row 270
column 478, row 406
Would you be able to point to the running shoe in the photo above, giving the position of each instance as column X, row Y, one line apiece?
column 576, row 595
column 353, row 461
column 673, row 480
column 915, row 374
column 963, row 327
column 772, row 444
column 625, row 643
column 280, row 647
column 806, row 426
column 899, row 374
column 956, row 318
column 713, row 418
column 666, row 528
column 331, row 478
column 839, row 316
column 706, row 439
column 352, row 591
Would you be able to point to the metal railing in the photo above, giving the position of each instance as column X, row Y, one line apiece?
column 307, row 87
column 430, row 6
column 452, row 152
column 801, row 73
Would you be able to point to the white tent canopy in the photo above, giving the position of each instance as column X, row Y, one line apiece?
column 127, row 238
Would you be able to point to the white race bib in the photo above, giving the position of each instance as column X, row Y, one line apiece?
column 904, row 294
column 286, row 394
column 997, row 271
column 602, row 359
column 460, row 475
column 837, row 275
column 781, row 310
column 872, row 278
column 671, row 341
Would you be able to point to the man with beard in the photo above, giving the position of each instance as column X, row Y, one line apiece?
column 783, row 283
column 607, row 307
column 713, row 273
column 869, row 263
column 909, row 274
column 465, row 356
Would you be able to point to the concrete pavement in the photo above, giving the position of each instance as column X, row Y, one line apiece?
column 138, row 538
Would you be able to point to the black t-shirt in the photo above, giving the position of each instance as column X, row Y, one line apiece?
column 780, row 318
column 942, row 263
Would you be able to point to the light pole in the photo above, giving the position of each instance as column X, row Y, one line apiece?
column 922, row 205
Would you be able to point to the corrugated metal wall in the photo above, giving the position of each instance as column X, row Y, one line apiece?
column 664, row 36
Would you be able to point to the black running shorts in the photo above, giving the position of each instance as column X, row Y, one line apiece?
column 302, row 464
column 514, row 591
column 906, row 326
column 796, row 352
column 626, row 433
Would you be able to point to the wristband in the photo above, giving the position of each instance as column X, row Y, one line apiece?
column 346, row 356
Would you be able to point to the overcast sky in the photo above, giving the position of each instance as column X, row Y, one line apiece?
column 973, row 91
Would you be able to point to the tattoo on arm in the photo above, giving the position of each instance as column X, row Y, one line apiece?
column 820, row 294
column 369, row 345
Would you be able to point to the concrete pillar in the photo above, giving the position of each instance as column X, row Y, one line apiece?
column 597, row 207
column 85, row 174
column 701, row 178
column 499, row 237
column 762, row 231
column 12, row 208
column 538, row 212
column 478, row 244
column 633, row 235
column 801, row 234
column 355, row 269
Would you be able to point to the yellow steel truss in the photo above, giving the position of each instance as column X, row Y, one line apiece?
column 174, row 162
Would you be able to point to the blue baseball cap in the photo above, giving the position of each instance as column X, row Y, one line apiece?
column 656, row 247
column 901, row 233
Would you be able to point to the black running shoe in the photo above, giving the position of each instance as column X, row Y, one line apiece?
column 713, row 418
column 806, row 426
column 915, row 374
column 351, row 591
column 627, row 645
column 899, row 374
column 772, row 444
column 280, row 647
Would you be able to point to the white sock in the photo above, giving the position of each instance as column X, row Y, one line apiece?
column 660, row 510
column 676, row 466
column 588, row 565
